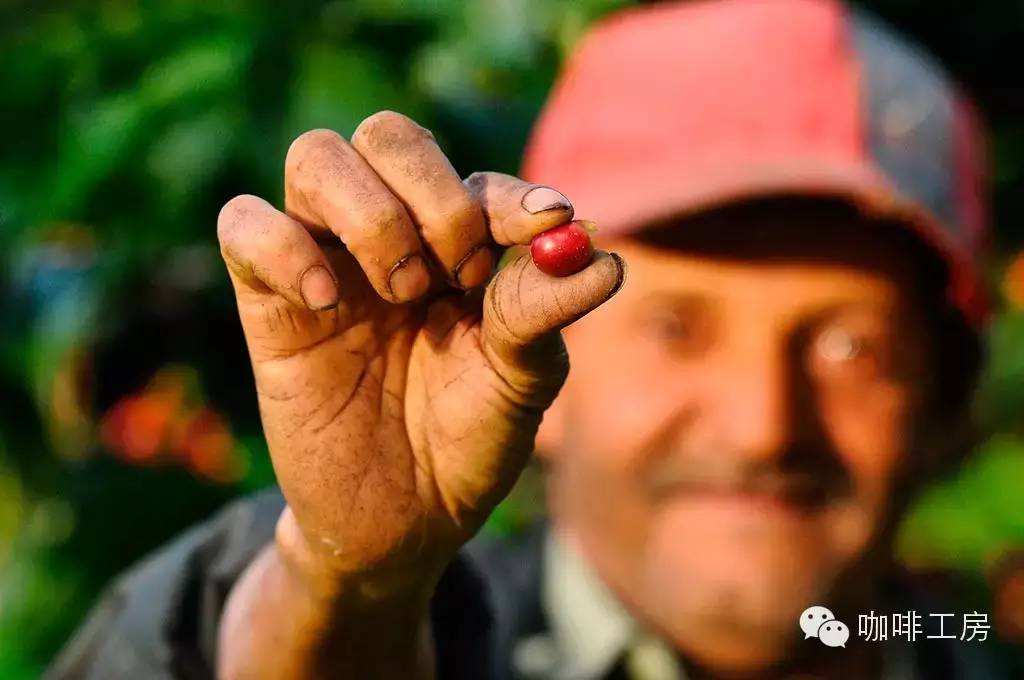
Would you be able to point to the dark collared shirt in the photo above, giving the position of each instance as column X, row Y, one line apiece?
column 160, row 620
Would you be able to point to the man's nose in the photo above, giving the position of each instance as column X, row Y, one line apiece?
column 764, row 406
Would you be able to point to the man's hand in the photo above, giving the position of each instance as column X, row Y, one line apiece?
column 399, row 400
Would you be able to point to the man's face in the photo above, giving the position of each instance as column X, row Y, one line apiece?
column 737, row 421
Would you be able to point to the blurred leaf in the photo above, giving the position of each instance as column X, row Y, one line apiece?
column 185, row 156
column 205, row 66
column 964, row 522
column 338, row 88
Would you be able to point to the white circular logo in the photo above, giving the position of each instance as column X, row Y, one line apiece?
column 833, row 633
column 812, row 618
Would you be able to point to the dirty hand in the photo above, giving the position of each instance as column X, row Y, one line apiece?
column 399, row 399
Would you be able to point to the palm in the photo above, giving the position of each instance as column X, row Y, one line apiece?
column 368, row 403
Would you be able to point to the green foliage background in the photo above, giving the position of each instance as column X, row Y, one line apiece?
column 126, row 125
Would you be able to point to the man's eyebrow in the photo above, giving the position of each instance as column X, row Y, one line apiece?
column 680, row 298
column 836, row 308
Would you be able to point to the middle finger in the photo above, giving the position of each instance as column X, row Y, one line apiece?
column 449, row 217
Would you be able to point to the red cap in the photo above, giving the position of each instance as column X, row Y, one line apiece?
column 673, row 108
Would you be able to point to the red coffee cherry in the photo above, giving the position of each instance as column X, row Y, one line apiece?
column 563, row 250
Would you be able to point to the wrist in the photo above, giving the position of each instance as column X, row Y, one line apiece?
column 293, row 614
column 406, row 589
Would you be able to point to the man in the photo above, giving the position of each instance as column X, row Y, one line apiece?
column 797, row 194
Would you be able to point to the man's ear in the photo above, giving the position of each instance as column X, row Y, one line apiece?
column 551, row 433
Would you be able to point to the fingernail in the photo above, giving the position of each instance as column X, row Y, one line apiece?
column 318, row 289
column 475, row 267
column 540, row 199
column 409, row 278
column 622, row 274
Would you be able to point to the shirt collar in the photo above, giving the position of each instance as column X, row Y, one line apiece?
column 589, row 627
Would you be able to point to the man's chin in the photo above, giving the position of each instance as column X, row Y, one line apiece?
column 734, row 656
column 730, row 598
column 735, row 626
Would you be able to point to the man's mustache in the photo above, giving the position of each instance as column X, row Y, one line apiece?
column 807, row 485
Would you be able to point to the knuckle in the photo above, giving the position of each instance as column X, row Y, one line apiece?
column 309, row 143
column 466, row 214
column 477, row 179
column 388, row 217
column 482, row 183
column 387, row 128
column 460, row 216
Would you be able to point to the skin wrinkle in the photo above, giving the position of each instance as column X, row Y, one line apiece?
column 494, row 301
column 497, row 304
column 364, row 372
column 523, row 400
column 244, row 272
column 360, row 477
column 450, row 508
column 558, row 304
column 518, row 300
column 281, row 355
column 446, row 438
column 444, row 316
column 271, row 317
column 288, row 317
column 439, row 435
column 283, row 399
column 457, row 378
column 312, row 413
column 398, row 395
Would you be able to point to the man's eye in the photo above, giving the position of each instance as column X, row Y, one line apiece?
column 839, row 345
column 680, row 333
column 667, row 327
column 840, row 351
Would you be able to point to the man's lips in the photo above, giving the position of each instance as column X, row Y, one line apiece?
column 796, row 492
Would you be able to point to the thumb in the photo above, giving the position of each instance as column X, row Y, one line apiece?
column 523, row 312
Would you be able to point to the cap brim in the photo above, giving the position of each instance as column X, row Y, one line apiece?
column 627, row 204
